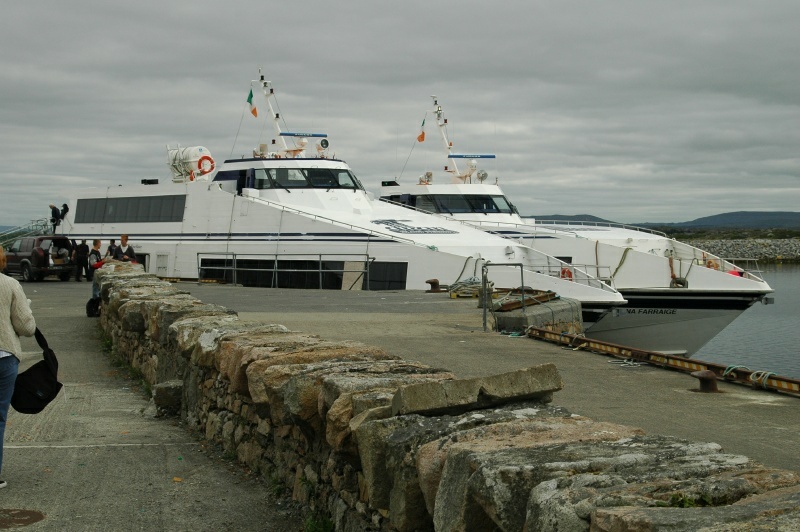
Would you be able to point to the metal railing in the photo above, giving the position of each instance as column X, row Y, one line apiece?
column 524, row 292
column 34, row 227
column 313, row 216
column 486, row 291
column 545, row 264
column 617, row 225
column 236, row 264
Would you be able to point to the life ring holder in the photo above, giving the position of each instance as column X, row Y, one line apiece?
column 566, row 273
column 202, row 167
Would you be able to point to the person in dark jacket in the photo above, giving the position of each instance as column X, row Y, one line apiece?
column 110, row 251
column 124, row 252
column 55, row 217
column 81, row 258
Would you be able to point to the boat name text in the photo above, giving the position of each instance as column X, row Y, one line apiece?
column 397, row 226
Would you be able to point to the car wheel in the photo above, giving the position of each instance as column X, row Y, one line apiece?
column 27, row 274
column 64, row 276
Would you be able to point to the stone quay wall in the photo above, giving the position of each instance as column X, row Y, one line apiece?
column 378, row 443
column 762, row 249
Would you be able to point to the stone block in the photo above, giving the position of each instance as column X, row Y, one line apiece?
column 168, row 397
column 774, row 510
column 452, row 397
column 388, row 447
column 546, row 486
column 559, row 315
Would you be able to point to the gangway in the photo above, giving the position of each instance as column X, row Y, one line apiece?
column 34, row 227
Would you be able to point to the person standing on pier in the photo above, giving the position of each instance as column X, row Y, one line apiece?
column 16, row 319
column 112, row 246
column 94, row 258
column 81, row 257
column 124, row 252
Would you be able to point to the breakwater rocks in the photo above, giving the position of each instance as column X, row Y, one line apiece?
column 380, row 443
column 762, row 249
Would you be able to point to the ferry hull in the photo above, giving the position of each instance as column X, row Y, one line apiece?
column 669, row 323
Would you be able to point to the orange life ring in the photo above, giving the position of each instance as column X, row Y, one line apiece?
column 202, row 168
column 566, row 273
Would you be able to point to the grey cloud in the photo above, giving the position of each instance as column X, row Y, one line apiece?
column 632, row 111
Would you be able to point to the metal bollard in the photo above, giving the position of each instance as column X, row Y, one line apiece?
column 708, row 380
column 435, row 288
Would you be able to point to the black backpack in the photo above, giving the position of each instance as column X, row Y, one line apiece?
column 93, row 307
column 37, row 385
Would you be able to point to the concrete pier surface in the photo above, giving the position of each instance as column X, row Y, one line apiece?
column 95, row 461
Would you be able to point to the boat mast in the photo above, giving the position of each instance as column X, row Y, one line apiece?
column 269, row 92
column 448, row 146
column 442, row 123
column 300, row 146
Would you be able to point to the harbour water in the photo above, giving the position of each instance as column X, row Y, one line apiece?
column 765, row 337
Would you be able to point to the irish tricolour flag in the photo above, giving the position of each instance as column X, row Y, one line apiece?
column 253, row 109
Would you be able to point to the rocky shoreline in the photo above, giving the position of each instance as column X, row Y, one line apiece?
column 763, row 249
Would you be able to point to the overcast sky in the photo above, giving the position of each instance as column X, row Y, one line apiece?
column 629, row 110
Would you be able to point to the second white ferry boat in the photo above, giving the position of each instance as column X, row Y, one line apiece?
column 679, row 296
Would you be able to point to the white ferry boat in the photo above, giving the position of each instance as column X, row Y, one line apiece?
column 288, row 218
column 679, row 296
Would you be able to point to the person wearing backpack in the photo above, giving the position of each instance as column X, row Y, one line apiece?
column 16, row 319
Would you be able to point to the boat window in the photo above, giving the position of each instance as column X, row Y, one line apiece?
column 503, row 205
column 346, row 179
column 322, row 178
column 262, row 180
column 227, row 175
column 130, row 210
column 288, row 177
column 424, row 203
column 452, row 203
column 489, row 204
column 482, row 204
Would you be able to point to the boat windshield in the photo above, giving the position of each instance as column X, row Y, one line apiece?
column 456, row 203
column 267, row 178
column 489, row 204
